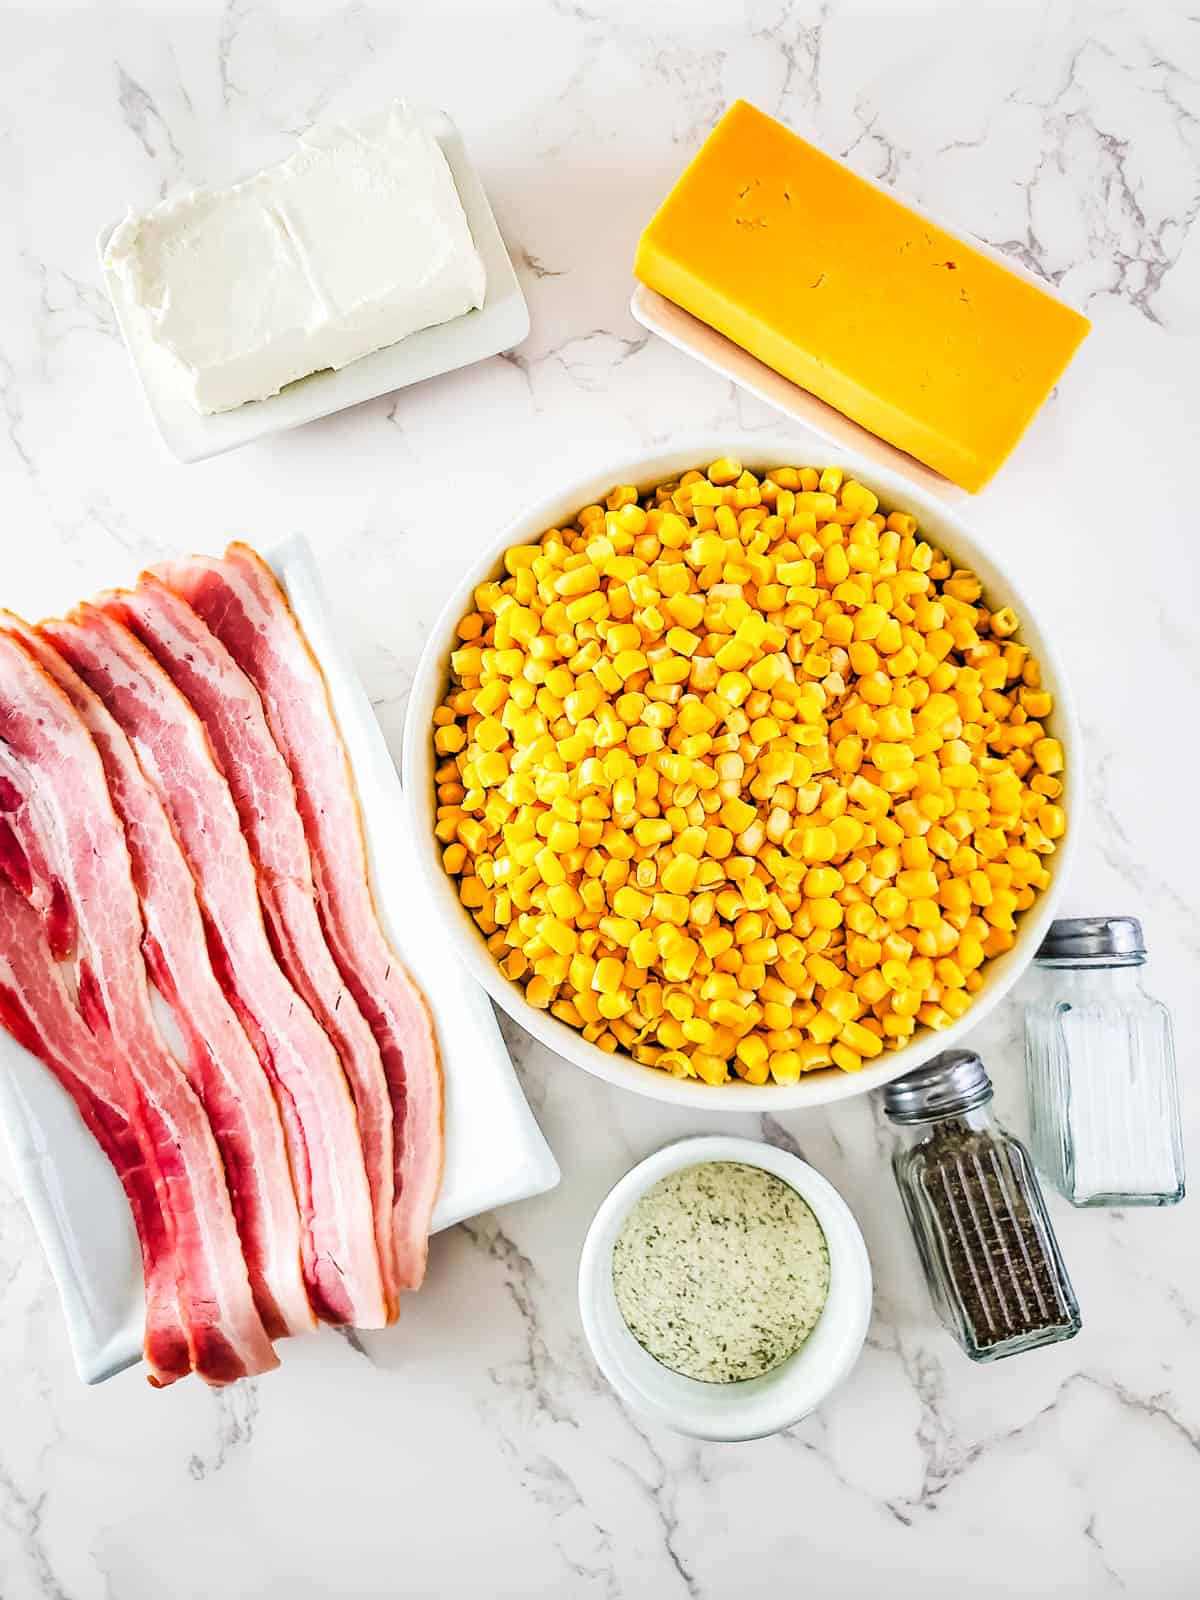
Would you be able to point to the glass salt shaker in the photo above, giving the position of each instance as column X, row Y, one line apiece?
column 1100, row 1066
column 977, row 1214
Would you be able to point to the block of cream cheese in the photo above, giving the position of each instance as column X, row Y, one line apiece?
column 923, row 339
column 354, row 242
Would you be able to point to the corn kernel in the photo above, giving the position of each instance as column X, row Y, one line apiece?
column 606, row 979
column 1048, row 754
column 630, row 902
column 539, row 992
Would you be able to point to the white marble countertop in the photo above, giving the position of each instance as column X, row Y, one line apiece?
column 474, row 1450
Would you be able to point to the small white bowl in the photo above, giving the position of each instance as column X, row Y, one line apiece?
column 759, row 1406
column 940, row 523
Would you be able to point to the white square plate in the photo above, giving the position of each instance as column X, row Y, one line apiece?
column 501, row 323
column 495, row 1152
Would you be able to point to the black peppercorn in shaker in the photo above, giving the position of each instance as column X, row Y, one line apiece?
column 977, row 1213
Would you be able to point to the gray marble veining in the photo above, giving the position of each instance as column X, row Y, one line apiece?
column 474, row 1449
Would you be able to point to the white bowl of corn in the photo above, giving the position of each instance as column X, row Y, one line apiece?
column 742, row 782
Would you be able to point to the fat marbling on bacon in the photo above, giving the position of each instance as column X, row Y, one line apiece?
column 260, row 781
column 48, row 758
column 341, row 1263
column 240, row 600
column 220, row 1063
column 36, row 1007
column 24, row 864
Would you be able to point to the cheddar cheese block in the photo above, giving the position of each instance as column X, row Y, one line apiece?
column 916, row 335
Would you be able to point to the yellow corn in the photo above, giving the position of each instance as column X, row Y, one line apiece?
column 630, row 902
column 608, row 974
column 744, row 777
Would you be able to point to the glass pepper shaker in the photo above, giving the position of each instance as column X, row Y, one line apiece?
column 1100, row 1066
column 977, row 1214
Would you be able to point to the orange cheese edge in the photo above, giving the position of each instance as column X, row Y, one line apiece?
column 913, row 333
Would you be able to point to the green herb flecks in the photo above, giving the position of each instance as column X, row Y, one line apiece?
column 721, row 1271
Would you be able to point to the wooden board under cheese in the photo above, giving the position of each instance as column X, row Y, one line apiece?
column 915, row 334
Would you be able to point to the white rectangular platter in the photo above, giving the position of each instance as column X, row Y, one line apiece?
column 695, row 338
column 501, row 323
column 495, row 1152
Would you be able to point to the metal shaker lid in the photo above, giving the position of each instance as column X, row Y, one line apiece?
column 954, row 1081
column 1093, row 941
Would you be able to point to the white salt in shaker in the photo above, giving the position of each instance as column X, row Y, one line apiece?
column 1100, row 1067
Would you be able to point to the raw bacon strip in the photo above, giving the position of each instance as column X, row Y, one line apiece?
column 222, row 1067
column 260, row 781
column 341, row 1264
column 244, row 606
column 37, row 1009
column 168, row 1347
column 71, row 811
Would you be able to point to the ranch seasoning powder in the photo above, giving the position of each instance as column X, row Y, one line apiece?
column 721, row 1271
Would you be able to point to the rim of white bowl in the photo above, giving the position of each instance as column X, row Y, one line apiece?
column 949, row 529
column 729, row 1412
